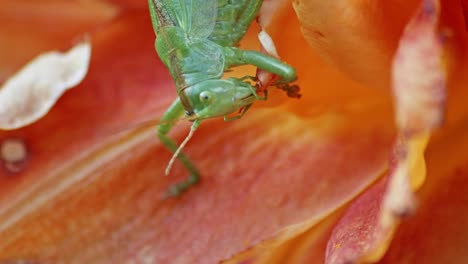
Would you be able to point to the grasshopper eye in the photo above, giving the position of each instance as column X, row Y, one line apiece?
column 206, row 97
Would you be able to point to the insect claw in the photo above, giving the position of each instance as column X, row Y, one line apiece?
column 181, row 187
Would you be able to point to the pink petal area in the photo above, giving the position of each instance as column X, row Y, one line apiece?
column 365, row 231
column 358, row 232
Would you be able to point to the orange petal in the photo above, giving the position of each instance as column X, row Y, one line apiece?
column 359, row 37
column 129, row 4
column 324, row 88
column 96, row 199
column 308, row 247
column 101, row 106
column 28, row 29
column 464, row 4
column 241, row 201
column 455, row 40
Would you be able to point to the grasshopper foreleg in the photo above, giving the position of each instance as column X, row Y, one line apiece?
column 239, row 116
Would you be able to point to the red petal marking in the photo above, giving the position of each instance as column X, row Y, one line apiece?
column 358, row 231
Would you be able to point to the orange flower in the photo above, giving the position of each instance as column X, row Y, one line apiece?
column 294, row 181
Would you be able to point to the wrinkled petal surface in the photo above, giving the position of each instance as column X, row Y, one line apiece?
column 84, row 196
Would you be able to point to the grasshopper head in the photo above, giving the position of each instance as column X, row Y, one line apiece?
column 214, row 98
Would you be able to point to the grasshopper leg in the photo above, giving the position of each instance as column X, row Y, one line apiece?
column 235, row 57
column 168, row 120
column 239, row 116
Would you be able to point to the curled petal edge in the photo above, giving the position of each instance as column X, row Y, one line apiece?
column 29, row 94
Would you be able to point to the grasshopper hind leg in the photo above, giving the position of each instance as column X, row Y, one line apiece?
column 168, row 120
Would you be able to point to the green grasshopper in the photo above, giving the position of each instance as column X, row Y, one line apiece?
column 197, row 41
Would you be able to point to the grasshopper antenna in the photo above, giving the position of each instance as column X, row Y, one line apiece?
column 194, row 127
